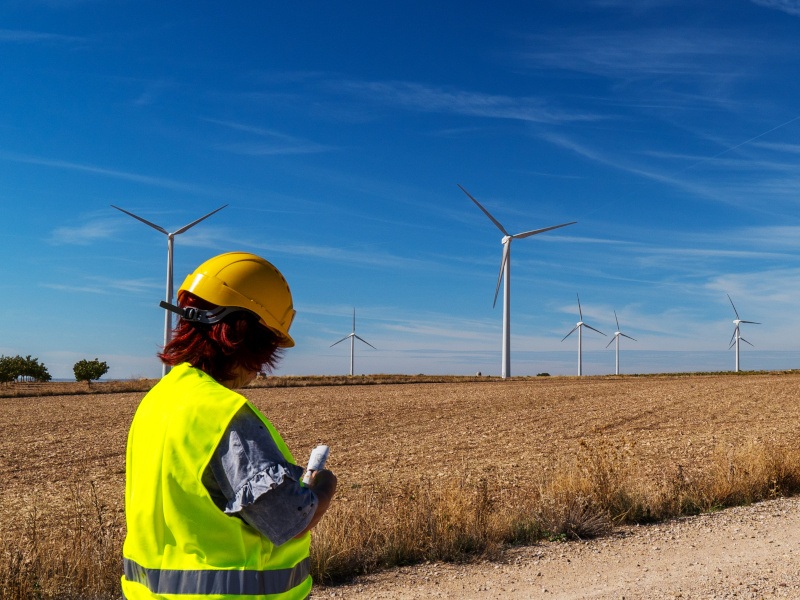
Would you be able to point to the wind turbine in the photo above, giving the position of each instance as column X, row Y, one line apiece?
column 170, row 245
column 617, row 335
column 736, row 337
column 580, row 327
column 505, row 276
column 353, row 337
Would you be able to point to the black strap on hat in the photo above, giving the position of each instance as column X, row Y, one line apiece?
column 198, row 315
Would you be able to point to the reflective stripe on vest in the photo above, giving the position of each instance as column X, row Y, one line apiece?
column 216, row 581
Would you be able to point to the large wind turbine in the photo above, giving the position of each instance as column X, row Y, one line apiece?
column 737, row 336
column 170, row 245
column 580, row 327
column 353, row 337
column 505, row 276
column 617, row 335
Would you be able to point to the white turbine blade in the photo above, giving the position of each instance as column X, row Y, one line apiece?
column 365, row 341
column 580, row 312
column 347, row 337
column 535, row 231
column 629, row 337
column 486, row 212
column 593, row 329
column 354, row 320
column 751, row 322
column 734, row 308
column 500, row 275
column 145, row 221
column 745, row 341
column 193, row 223
column 570, row 333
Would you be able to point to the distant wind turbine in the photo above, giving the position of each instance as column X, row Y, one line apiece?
column 579, row 327
column 617, row 335
column 737, row 336
column 353, row 337
column 170, row 245
column 505, row 276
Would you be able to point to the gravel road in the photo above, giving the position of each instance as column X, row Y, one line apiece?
column 744, row 552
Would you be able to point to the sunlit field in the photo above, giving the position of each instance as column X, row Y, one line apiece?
column 429, row 469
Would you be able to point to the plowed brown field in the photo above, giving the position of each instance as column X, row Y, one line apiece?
column 505, row 430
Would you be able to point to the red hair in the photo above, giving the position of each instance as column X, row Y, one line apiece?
column 239, row 340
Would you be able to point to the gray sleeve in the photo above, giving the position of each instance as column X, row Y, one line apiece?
column 249, row 477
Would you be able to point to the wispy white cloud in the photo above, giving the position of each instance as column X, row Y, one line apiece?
column 82, row 289
column 216, row 237
column 640, row 53
column 791, row 7
column 106, row 286
column 23, row 36
column 159, row 182
column 269, row 142
column 790, row 148
column 85, row 234
column 364, row 257
column 681, row 174
column 425, row 98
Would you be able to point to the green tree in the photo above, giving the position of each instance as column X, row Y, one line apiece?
column 16, row 368
column 87, row 370
column 8, row 371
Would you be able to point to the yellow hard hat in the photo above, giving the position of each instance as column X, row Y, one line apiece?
column 244, row 280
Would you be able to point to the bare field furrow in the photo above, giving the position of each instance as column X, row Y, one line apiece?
column 405, row 431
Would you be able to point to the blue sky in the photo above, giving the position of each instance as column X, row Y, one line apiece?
column 337, row 133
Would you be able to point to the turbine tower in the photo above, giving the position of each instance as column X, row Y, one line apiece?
column 580, row 327
column 737, row 336
column 170, row 245
column 617, row 335
column 505, row 277
column 353, row 337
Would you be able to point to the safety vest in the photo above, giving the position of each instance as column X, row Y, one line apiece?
column 179, row 544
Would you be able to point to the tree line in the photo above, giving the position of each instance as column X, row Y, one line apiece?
column 17, row 368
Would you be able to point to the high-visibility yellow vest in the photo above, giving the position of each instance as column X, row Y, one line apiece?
column 179, row 544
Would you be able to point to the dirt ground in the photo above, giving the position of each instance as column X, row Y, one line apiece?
column 54, row 447
column 744, row 552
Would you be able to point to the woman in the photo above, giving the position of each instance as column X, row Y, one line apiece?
column 214, row 502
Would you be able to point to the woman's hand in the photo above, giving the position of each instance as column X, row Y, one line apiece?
column 323, row 484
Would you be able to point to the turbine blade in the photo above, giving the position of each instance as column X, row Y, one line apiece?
column 535, row 231
column 580, row 312
column 733, row 336
column 354, row 320
column 593, row 329
column 145, row 221
column 486, row 212
column 341, row 340
column 734, row 308
column 193, row 223
column 752, row 322
column 745, row 341
column 570, row 333
column 611, row 341
column 627, row 336
column 365, row 341
column 500, row 275
column 731, row 345
column 617, row 320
